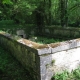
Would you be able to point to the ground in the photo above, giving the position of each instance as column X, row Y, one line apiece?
column 10, row 68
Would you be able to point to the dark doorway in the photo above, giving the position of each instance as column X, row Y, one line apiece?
column 21, row 36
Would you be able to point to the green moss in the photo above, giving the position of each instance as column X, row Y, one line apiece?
column 47, row 65
column 52, row 62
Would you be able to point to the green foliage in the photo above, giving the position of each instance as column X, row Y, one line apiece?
column 74, row 75
column 10, row 24
column 6, row 22
column 52, row 62
column 62, row 76
column 22, row 11
column 7, row 2
column 10, row 68
column 44, row 40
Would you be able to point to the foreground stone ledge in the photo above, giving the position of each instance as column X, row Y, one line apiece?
column 60, row 46
column 44, row 60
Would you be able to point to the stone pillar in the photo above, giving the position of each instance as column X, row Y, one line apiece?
column 45, row 61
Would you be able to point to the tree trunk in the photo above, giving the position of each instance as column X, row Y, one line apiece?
column 49, row 12
column 64, row 16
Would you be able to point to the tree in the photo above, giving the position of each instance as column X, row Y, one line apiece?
column 64, row 15
column 22, row 10
column 49, row 12
column 40, row 16
column 74, row 13
column 5, row 10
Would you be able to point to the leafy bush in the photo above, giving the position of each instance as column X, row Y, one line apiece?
column 74, row 75
column 7, row 22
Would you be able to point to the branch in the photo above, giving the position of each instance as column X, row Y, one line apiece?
column 76, row 5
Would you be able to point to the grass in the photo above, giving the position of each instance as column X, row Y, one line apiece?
column 44, row 40
column 74, row 75
column 11, row 69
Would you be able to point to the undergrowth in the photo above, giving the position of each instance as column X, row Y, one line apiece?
column 10, row 68
column 74, row 75
column 44, row 40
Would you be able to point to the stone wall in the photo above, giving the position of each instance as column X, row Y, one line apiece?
column 61, row 32
column 23, row 31
column 25, row 54
column 16, row 31
column 44, row 60
column 64, row 56
column 50, row 31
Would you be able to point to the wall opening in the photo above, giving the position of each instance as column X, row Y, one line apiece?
column 22, row 36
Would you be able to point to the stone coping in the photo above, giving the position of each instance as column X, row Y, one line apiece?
column 59, row 27
column 45, row 49
column 60, row 46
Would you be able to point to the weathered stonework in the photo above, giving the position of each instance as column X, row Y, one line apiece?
column 43, row 60
column 61, row 32
column 21, row 33
column 19, row 30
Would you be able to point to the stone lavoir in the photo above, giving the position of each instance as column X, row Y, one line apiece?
column 43, row 59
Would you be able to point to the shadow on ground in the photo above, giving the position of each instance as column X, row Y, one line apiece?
column 11, row 69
